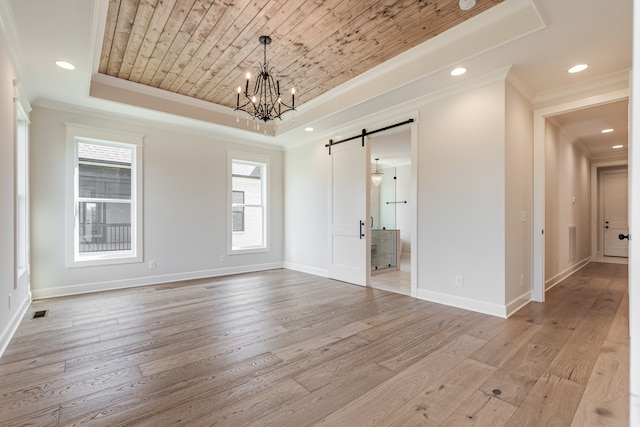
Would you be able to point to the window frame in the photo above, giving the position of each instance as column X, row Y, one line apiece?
column 21, row 196
column 80, row 133
column 265, row 163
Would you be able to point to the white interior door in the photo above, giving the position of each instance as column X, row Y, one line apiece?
column 615, row 204
column 349, row 210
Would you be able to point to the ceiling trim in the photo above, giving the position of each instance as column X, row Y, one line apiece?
column 619, row 78
column 500, row 25
column 507, row 21
column 167, row 122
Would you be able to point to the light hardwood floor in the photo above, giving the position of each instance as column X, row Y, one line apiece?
column 282, row 348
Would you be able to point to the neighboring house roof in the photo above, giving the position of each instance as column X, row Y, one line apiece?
column 104, row 153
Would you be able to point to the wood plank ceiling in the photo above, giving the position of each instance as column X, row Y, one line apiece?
column 203, row 48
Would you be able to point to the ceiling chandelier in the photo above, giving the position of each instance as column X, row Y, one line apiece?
column 264, row 102
column 376, row 177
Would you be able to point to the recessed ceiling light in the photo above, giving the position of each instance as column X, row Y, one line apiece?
column 606, row 131
column 466, row 4
column 308, row 129
column 458, row 71
column 617, row 146
column 66, row 65
column 577, row 68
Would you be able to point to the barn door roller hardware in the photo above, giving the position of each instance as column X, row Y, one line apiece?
column 365, row 133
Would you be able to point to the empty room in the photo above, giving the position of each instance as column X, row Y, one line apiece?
column 337, row 213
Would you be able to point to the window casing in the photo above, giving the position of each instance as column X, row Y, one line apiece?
column 106, row 197
column 248, row 213
column 22, row 198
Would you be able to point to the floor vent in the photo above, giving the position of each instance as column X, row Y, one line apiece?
column 40, row 313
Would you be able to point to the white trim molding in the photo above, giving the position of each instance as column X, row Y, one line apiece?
column 464, row 303
column 65, row 290
column 7, row 333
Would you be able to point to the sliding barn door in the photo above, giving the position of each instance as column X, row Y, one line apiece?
column 349, row 212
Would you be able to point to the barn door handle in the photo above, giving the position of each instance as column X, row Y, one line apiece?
column 622, row 236
column 361, row 229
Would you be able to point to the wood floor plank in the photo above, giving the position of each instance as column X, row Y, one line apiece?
column 299, row 349
column 22, row 402
column 159, row 393
column 578, row 355
column 481, row 410
column 432, row 406
column 619, row 330
column 284, row 348
column 518, row 374
column 552, row 402
column 497, row 350
column 253, row 407
column 377, row 404
column 307, row 410
column 606, row 398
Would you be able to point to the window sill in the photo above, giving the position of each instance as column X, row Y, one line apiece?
column 97, row 260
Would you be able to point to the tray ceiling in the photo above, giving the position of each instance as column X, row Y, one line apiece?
column 203, row 48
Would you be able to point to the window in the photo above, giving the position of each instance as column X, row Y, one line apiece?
column 106, row 200
column 248, row 196
column 22, row 198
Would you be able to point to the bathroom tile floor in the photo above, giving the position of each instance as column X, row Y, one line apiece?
column 398, row 281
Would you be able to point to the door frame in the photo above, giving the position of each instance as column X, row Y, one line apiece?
column 373, row 122
column 413, row 200
column 597, row 207
column 538, row 221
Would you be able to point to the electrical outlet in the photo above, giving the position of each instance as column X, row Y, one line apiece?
column 152, row 264
column 9, row 301
column 459, row 281
column 522, row 280
column 223, row 258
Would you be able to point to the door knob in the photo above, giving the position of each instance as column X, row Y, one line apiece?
column 622, row 236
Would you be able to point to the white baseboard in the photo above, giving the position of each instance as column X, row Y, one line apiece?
column 306, row 269
column 7, row 333
column 518, row 303
column 551, row 282
column 148, row 280
column 464, row 303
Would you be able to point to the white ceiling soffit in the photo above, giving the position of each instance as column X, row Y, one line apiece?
column 420, row 70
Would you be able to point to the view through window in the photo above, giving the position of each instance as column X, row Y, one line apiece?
column 248, row 214
column 104, row 199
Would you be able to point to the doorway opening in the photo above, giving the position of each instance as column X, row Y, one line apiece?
column 391, row 212
column 569, row 147
column 612, row 236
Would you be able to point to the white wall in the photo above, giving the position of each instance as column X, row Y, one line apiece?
column 462, row 198
column 403, row 211
column 567, row 176
column 519, row 186
column 185, row 210
column 306, row 174
column 10, row 316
